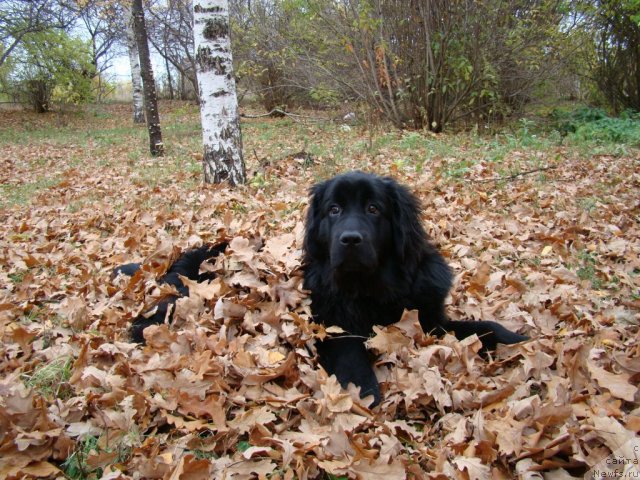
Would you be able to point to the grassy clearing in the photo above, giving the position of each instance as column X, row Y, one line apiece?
column 100, row 134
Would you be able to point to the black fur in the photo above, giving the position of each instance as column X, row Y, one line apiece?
column 367, row 257
column 128, row 269
column 187, row 265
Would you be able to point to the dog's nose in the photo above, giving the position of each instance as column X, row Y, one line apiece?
column 351, row 238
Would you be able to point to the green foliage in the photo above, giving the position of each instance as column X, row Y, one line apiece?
column 593, row 125
column 51, row 66
column 5, row 72
column 323, row 95
column 635, row 4
column 285, row 55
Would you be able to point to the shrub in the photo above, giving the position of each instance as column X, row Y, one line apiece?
column 594, row 125
column 51, row 66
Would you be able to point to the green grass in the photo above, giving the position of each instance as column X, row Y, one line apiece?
column 76, row 466
column 52, row 128
column 114, row 136
column 50, row 380
column 18, row 277
column 243, row 445
column 587, row 270
column 80, row 204
column 22, row 194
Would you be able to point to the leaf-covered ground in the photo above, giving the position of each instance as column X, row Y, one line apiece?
column 232, row 389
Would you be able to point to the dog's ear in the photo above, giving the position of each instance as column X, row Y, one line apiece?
column 314, row 240
column 410, row 237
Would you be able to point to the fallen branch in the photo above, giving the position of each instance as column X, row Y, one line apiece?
column 282, row 112
column 515, row 175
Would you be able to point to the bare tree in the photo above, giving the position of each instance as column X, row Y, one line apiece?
column 21, row 17
column 148, row 83
column 171, row 34
column 100, row 20
column 134, row 63
column 221, row 134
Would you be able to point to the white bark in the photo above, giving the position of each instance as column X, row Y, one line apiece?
column 221, row 134
column 136, row 76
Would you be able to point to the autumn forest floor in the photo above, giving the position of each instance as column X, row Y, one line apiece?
column 541, row 231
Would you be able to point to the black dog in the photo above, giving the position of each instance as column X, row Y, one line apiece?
column 366, row 259
column 187, row 265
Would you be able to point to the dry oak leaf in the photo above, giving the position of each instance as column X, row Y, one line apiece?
column 479, row 280
column 203, row 290
column 620, row 441
column 74, row 309
column 189, row 425
column 247, row 468
column 281, row 249
column 508, row 435
column 190, row 468
column 242, row 250
column 364, row 469
column 410, row 324
column 423, row 381
column 267, row 374
column 256, row 416
column 33, row 470
column 388, row 339
column 212, row 406
column 335, row 399
column 617, row 383
column 473, row 466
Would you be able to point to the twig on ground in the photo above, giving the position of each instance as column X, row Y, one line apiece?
column 288, row 114
column 514, row 176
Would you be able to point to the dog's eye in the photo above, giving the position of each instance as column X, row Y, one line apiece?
column 373, row 209
column 334, row 210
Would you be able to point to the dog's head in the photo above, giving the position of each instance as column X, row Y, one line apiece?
column 357, row 222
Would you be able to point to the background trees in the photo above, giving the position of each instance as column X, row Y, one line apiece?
column 416, row 63
column 39, row 58
column 616, row 67
column 22, row 17
column 424, row 63
column 101, row 22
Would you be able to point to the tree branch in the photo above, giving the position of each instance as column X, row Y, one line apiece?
column 514, row 176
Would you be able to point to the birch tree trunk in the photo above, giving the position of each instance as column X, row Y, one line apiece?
column 222, row 138
column 134, row 61
column 148, row 83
